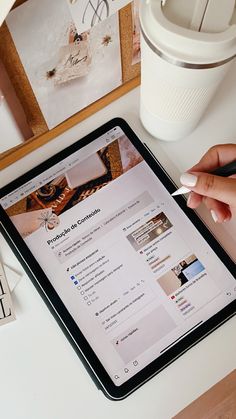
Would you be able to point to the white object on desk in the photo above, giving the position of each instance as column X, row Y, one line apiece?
column 182, row 64
column 6, row 306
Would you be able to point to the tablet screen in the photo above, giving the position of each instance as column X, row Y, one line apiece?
column 130, row 267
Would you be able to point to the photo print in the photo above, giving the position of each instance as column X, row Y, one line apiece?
column 65, row 64
column 89, row 13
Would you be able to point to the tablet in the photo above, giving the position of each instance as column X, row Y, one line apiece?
column 133, row 277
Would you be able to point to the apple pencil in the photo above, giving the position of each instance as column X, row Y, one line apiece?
column 224, row 171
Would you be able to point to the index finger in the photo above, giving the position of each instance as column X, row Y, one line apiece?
column 216, row 156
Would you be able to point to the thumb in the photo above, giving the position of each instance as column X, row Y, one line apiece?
column 217, row 187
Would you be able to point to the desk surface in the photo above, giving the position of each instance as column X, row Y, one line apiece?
column 41, row 376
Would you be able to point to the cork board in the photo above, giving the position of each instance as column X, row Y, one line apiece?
column 129, row 71
column 20, row 82
column 23, row 89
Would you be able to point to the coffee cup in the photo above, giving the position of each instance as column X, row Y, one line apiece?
column 185, row 56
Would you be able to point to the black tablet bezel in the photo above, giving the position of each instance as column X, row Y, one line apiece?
column 56, row 306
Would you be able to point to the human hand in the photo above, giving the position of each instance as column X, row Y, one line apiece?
column 216, row 192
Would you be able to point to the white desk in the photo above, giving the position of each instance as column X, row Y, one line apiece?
column 41, row 376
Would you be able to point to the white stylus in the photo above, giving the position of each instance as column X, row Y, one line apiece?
column 181, row 191
column 228, row 170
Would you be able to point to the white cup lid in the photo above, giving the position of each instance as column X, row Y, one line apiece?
column 182, row 35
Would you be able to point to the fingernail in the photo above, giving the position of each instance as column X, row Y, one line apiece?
column 188, row 179
column 214, row 216
column 189, row 200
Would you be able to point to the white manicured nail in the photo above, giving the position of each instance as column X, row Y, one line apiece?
column 188, row 179
column 214, row 216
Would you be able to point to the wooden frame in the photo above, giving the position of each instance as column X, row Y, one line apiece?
column 35, row 119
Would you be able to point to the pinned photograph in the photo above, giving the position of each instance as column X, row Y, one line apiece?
column 89, row 13
column 65, row 64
